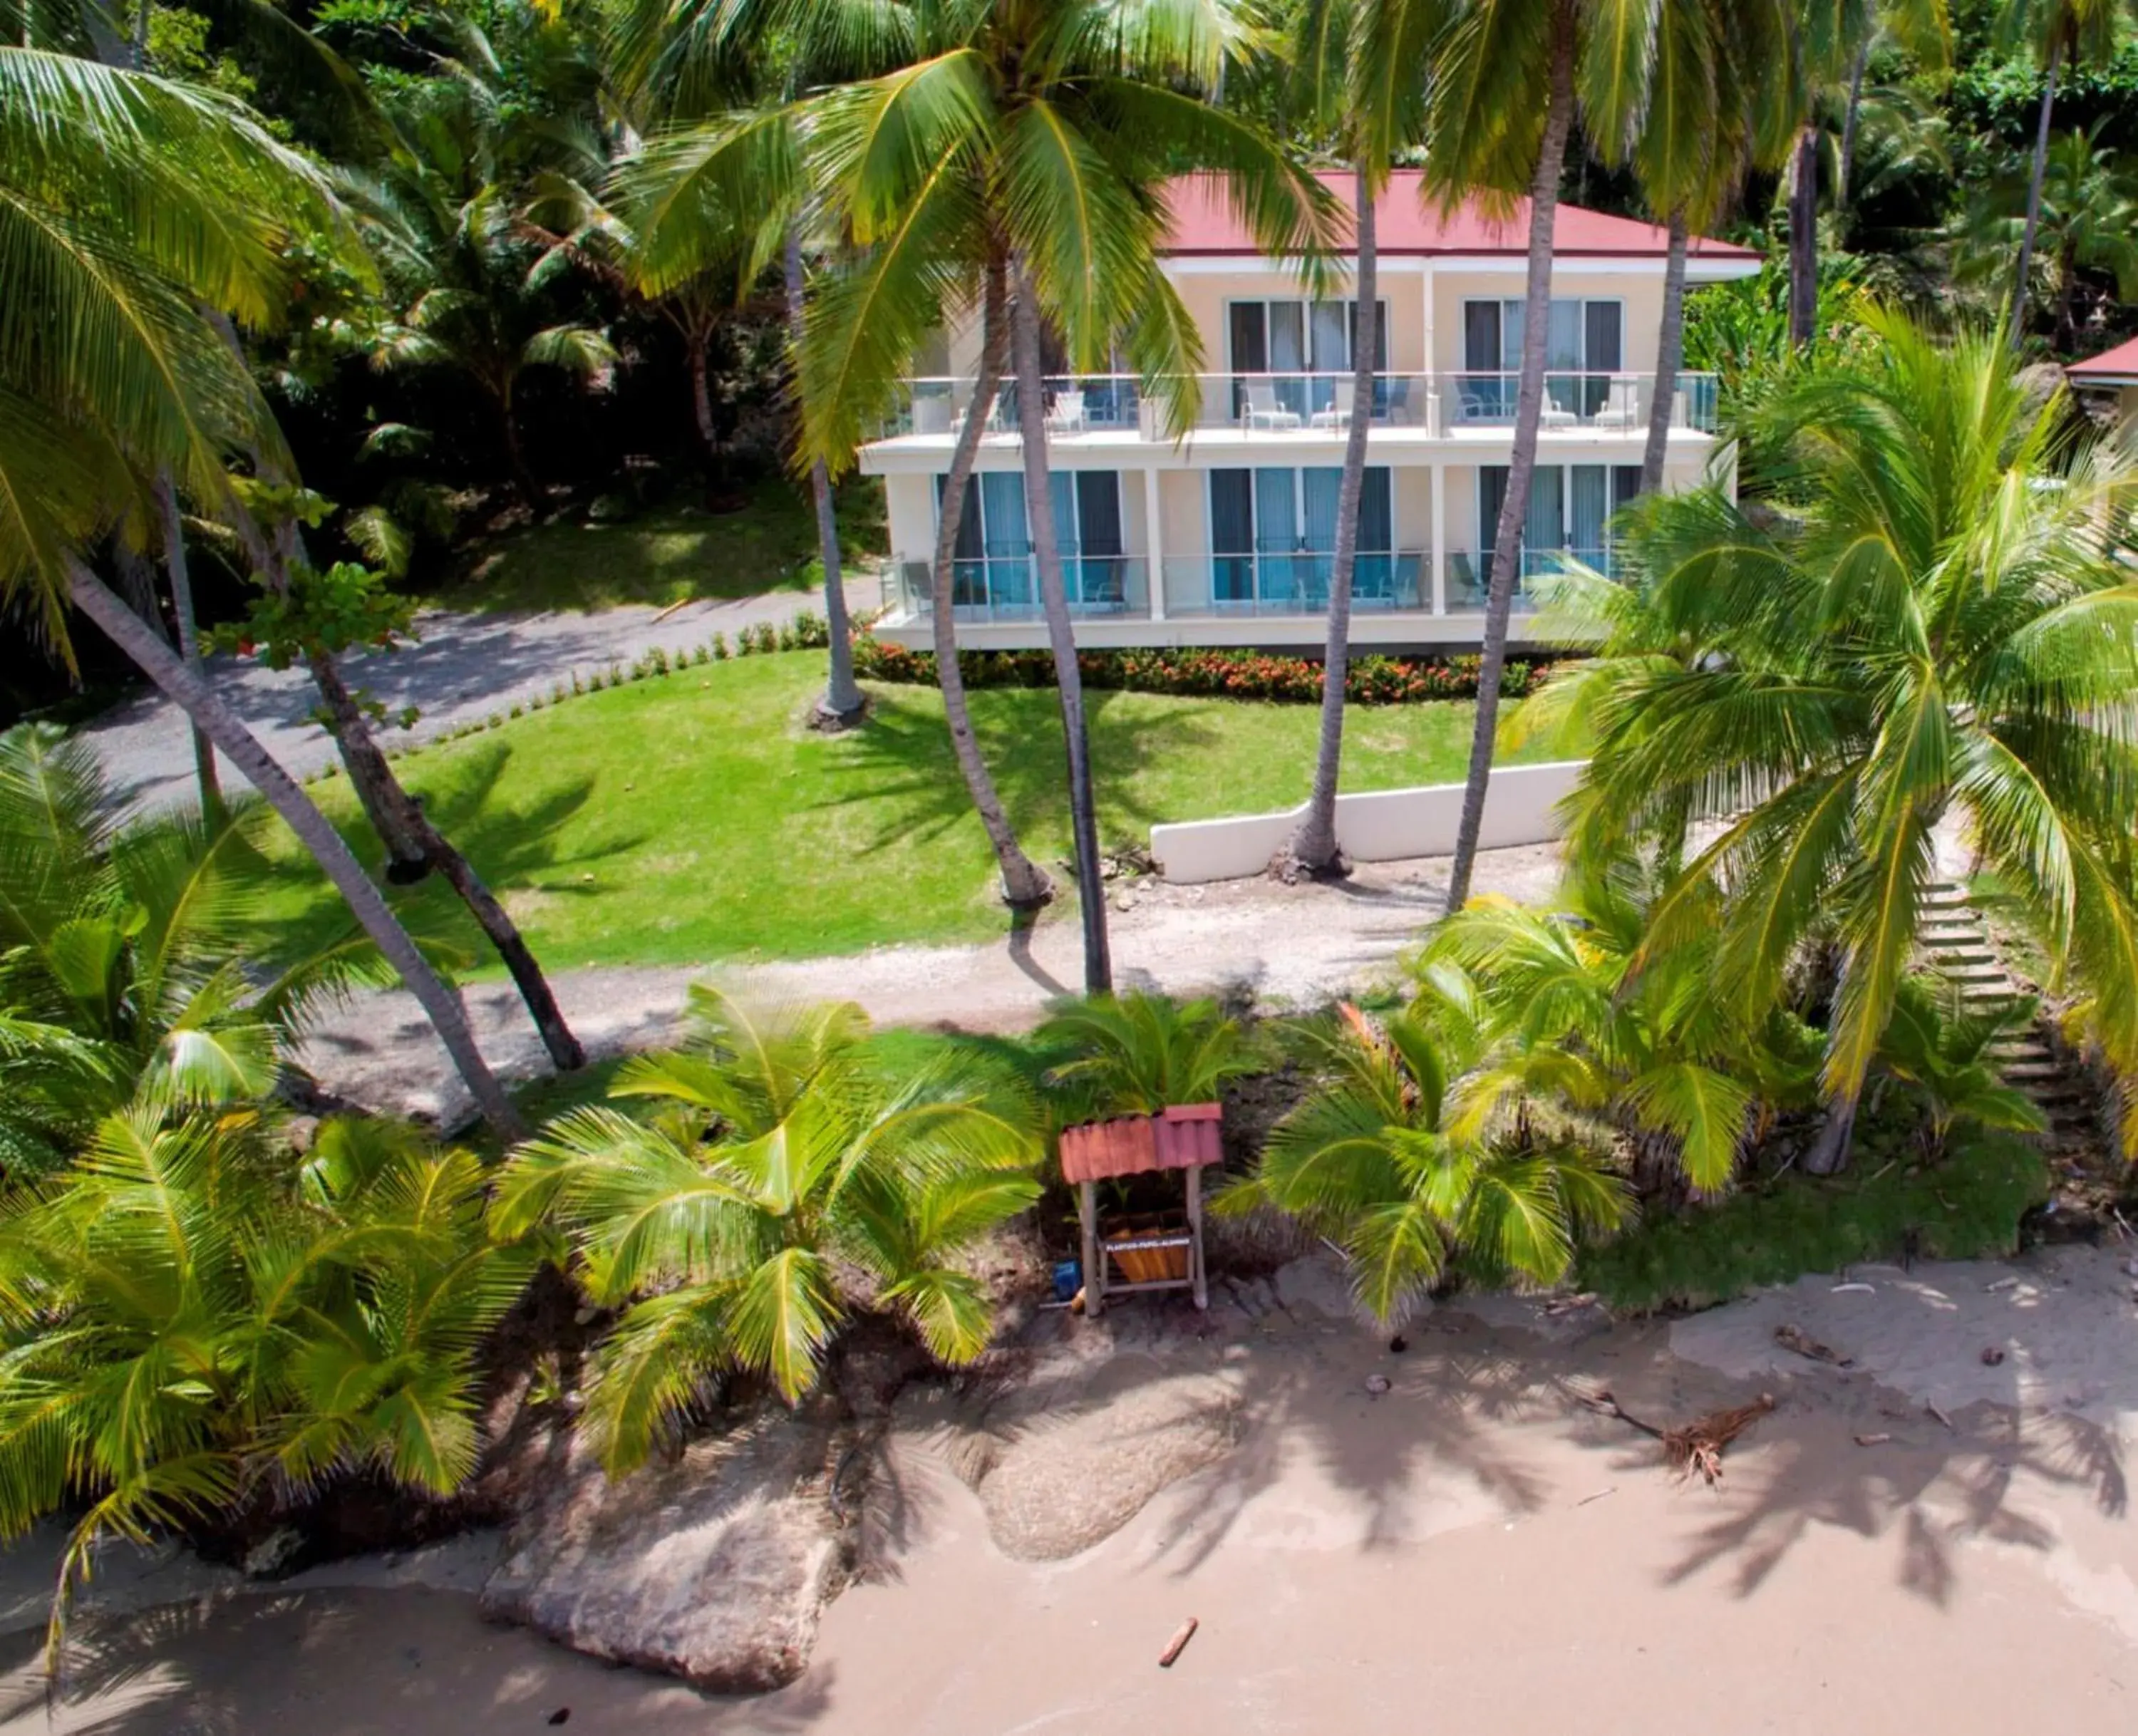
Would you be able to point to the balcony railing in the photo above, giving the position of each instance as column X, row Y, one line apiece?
column 1292, row 582
column 1301, row 406
column 1005, row 588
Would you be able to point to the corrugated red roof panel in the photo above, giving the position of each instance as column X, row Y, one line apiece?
column 1204, row 224
column 1182, row 1137
column 2109, row 367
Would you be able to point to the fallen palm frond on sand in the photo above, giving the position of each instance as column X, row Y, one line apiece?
column 1699, row 1444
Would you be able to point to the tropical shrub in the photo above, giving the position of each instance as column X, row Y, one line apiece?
column 1191, row 672
column 1941, row 633
column 1560, row 1011
column 1945, row 1052
column 1136, row 1054
column 185, row 1307
column 785, row 1178
column 1369, row 1160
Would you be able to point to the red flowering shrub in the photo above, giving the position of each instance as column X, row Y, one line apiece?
column 1200, row 672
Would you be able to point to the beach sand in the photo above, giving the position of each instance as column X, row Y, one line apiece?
column 1471, row 1551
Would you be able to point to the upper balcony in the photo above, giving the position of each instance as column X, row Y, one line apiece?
column 1261, row 409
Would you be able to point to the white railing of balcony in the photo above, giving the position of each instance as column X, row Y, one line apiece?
column 1005, row 588
column 1292, row 581
column 1605, row 402
column 1293, row 406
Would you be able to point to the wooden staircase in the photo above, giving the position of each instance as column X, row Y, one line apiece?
column 1955, row 944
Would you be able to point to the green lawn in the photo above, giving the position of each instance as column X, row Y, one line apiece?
column 693, row 818
column 670, row 555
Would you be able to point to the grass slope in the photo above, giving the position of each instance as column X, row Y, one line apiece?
column 668, row 556
column 692, row 818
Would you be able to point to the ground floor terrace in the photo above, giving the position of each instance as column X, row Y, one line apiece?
column 1243, row 553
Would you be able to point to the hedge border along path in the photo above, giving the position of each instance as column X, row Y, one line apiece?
column 1192, row 673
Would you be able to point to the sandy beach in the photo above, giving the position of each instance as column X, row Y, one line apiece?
column 1472, row 1550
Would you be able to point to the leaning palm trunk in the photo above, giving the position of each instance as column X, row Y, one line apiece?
column 1022, row 883
column 188, row 688
column 1060, row 631
column 1804, row 238
column 1670, row 354
column 2034, row 199
column 1312, row 849
column 1847, row 164
column 212, row 809
column 842, row 701
column 1521, row 461
column 384, row 794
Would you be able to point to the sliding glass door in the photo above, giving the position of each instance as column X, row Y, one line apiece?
column 992, row 569
column 1583, row 346
column 1569, row 515
column 1273, row 537
column 1296, row 338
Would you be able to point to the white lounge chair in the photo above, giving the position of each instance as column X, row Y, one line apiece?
column 1263, row 411
column 1066, row 416
column 1622, row 404
column 1338, row 414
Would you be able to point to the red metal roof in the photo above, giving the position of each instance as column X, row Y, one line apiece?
column 2109, row 368
column 1204, row 225
column 1184, row 1137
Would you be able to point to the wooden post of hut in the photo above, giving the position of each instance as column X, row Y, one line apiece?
column 1151, row 1256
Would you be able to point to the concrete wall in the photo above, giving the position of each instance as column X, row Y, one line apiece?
column 1382, row 826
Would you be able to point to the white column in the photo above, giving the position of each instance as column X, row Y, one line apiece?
column 1154, row 535
column 1440, row 539
column 1431, row 384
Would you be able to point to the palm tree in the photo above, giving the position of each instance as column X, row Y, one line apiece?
column 1829, row 44
column 1487, row 135
column 1938, row 629
column 2062, row 34
column 182, row 1311
column 1368, row 1160
column 140, row 942
column 1342, row 88
column 783, row 1158
column 131, row 204
column 1031, row 138
column 2090, row 209
column 1711, row 113
column 1141, row 1053
column 1945, row 1050
column 1556, row 1021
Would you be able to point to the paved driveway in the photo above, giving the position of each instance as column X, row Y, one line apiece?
column 462, row 669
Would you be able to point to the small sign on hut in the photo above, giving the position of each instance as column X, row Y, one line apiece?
column 1154, row 1252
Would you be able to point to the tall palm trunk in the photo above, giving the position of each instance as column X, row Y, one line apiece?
column 1312, row 849
column 1670, row 354
column 1060, row 631
column 695, row 340
column 2034, row 198
column 523, row 475
column 188, row 688
column 842, row 699
column 1848, row 125
column 1803, row 237
column 1521, row 461
column 173, row 530
column 383, row 792
column 1023, row 885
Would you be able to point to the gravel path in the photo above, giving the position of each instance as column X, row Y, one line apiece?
column 462, row 668
column 1278, row 945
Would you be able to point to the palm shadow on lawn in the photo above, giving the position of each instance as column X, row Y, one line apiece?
column 515, row 846
column 903, row 759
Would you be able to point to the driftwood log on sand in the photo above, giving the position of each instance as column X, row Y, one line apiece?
column 1699, row 1445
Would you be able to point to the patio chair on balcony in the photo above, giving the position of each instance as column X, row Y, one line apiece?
column 1263, row 411
column 1338, row 414
column 1622, row 405
column 1067, row 415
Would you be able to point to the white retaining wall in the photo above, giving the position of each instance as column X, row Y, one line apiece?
column 1381, row 826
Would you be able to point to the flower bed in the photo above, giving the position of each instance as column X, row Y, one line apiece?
column 1200, row 673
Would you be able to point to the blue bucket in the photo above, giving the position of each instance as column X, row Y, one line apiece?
column 1068, row 1280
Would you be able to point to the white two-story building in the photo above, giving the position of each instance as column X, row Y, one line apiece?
column 1226, row 537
